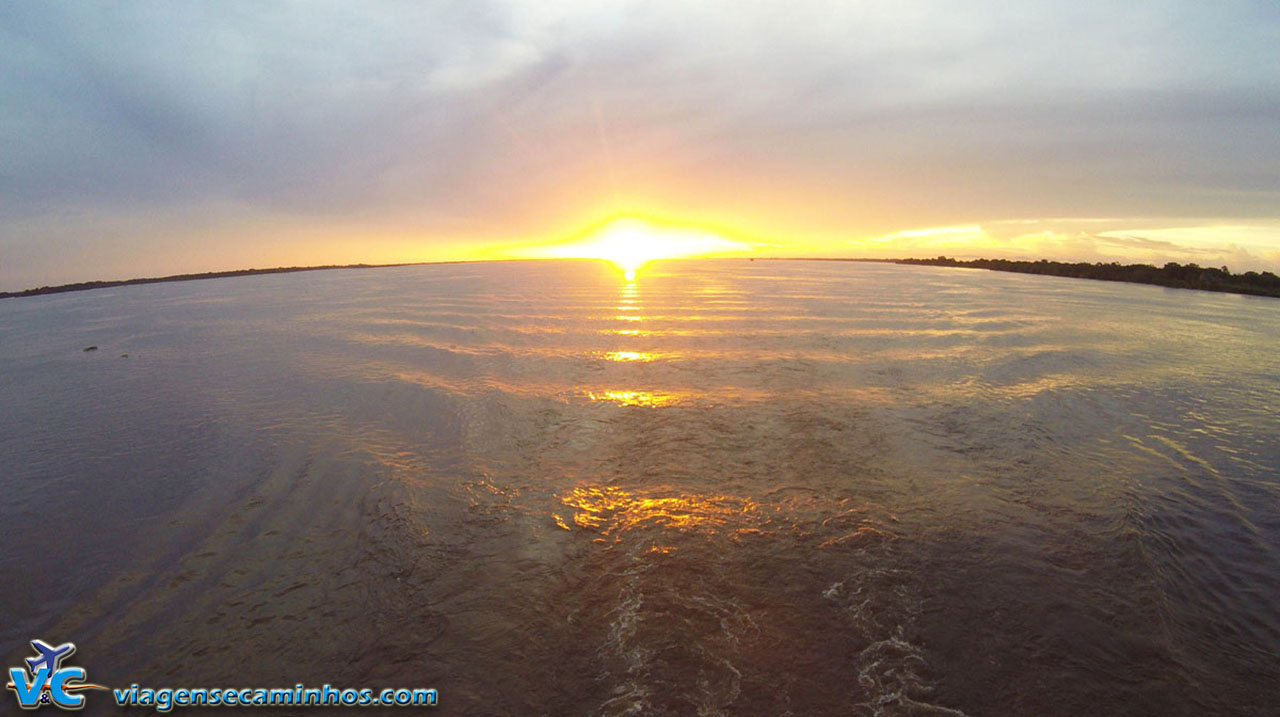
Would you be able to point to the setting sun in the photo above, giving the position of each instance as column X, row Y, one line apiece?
column 630, row 243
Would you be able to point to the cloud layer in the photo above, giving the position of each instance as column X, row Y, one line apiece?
column 151, row 137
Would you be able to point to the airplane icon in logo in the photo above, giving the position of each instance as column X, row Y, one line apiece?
column 49, row 656
column 49, row 682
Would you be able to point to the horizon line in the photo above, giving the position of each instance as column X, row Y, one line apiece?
column 232, row 273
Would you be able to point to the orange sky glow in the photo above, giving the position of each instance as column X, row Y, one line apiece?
column 192, row 138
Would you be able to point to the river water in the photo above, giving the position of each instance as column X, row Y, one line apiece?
column 727, row 487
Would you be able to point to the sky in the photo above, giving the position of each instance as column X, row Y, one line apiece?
column 152, row 138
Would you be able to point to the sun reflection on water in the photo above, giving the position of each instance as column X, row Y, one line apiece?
column 658, row 515
column 628, row 356
column 647, row 399
column 612, row 511
column 629, row 311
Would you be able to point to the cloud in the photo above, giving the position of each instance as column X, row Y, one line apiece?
column 468, row 122
column 1144, row 244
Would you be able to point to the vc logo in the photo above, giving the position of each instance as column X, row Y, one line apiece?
column 49, row 682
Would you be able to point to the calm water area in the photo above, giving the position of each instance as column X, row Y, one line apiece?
column 727, row 487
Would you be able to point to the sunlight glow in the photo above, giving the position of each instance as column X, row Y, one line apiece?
column 630, row 243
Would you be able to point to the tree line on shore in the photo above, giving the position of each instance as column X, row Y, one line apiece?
column 1173, row 274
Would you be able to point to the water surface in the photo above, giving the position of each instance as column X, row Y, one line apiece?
column 729, row 487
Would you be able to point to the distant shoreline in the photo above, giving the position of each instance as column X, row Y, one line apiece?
column 87, row 285
column 1171, row 275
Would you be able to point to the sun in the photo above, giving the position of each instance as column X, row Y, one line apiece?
column 630, row 243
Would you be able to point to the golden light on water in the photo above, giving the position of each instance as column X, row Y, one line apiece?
column 647, row 399
column 629, row 356
column 613, row 511
column 629, row 311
